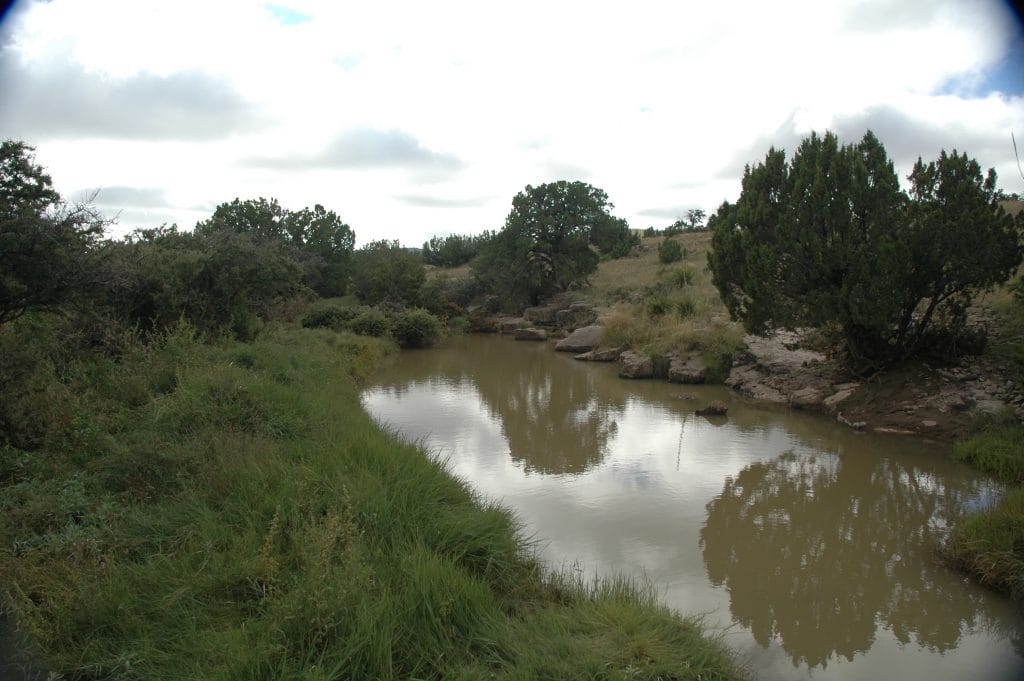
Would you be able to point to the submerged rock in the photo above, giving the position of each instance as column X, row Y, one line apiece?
column 714, row 408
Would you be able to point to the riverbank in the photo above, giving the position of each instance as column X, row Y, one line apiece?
column 672, row 314
column 228, row 510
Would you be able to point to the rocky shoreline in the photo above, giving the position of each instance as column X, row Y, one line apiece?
column 917, row 400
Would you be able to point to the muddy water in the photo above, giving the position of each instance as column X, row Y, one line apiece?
column 808, row 546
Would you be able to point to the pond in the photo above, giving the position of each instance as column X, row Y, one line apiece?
column 809, row 547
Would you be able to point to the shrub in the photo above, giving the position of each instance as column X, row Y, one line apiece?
column 686, row 307
column 329, row 316
column 370, row 323
column 415, row 328
column 658, row 306
column 682, row 277
column 669, row 251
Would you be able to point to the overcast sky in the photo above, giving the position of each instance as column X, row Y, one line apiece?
column 415, row 119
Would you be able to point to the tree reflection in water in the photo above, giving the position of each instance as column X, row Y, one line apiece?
column 818, row 550
column 552, row 414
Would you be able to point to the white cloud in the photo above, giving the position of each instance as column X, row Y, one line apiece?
column 393, row 113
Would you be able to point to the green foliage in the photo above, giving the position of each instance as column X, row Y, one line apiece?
column 385, row 272
column 669, row 251
column 1017, row 288
column 682, row 277
column 657, row 306
column 997, row 449
column 317, row 238
column 686, row 307
column 249, row 520
column 990, row 545
column 829, row 238
column 415, row 328
column 45, row 245
column 693, row 222
column 552, row 241
column 219, row 280
column 330, row 315
column 455, row 249
column 371, row 322
column 447, row 297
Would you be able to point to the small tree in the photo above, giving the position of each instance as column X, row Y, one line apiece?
column 552, row 241
column 319, row 240
column 384, row 271
column 45, row 245
column 669, row 251
column 830, row 240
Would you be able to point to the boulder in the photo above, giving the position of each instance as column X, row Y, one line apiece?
column 753, row 383
column 691, row 371
column 714, row 408
column 843, row 392
column 576, row 315
column 633, row 364
column 531, row 334
column 581, row 340
column 600, row 355
column 807, row 398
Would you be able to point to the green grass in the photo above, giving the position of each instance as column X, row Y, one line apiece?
column 228, row 511
column 997, row 449
column 990, row 545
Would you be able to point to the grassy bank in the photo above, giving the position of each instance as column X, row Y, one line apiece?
column 990, row 545
column 672, row 308
column 181, row 509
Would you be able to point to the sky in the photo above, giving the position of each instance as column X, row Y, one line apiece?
column 419, row 119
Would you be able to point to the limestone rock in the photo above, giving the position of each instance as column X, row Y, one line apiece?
column 531, row 334
column 599, row 355
column 633, row 364
column 843, row 392
column 510, row 324
column 807, row 398
column 691, row 371
column 576, row 315
column 581, row 340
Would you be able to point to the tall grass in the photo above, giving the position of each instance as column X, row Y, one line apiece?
column 664, row 310
column 228, row 511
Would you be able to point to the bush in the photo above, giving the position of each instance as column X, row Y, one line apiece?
column 370, row 323
column 669, row 251
column 329, row 316
column 415, row 328
column 658, row 306
column 686, row 307
column 682, row 277
column 384, row 271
